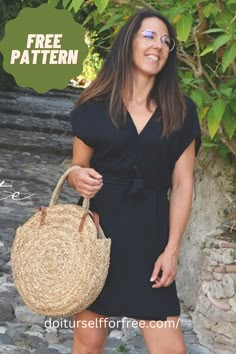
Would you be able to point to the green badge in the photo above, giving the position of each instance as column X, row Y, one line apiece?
column 43, row 48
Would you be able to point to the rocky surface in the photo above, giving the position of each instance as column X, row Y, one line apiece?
column 35, row 148
column 215, row 312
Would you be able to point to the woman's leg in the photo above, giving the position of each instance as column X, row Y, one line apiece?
column 163, row 337
column 90, row 331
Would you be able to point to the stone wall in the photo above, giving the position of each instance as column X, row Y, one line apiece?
column 214, row 318
column 211, row 207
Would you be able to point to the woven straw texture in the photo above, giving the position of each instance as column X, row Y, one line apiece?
column 57, row 270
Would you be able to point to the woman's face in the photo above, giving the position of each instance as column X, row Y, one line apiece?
column 150, row 47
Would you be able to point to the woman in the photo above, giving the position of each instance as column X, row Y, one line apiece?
column 136, row 138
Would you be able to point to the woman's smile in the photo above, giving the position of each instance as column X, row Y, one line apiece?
column 151, row 48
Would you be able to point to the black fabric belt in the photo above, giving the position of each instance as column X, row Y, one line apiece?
column 136, row 185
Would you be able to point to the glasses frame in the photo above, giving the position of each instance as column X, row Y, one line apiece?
column 161, row 38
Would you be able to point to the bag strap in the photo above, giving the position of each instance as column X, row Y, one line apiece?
column 57, row 191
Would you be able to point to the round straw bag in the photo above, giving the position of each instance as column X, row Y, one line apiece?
column 60, row 257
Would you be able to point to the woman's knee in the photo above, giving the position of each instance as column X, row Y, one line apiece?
column 89, row 346
column 89, row 338
column 167, row 339
column 175, row 348
column 91, row 341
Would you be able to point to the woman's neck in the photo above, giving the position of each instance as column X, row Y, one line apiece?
column 142, row 86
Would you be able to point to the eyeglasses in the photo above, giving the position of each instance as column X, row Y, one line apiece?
column 149, row 37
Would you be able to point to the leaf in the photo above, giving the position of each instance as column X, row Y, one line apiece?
column 77, row 4
column 207, row 50
column 176, row 19
column 207, row 10
column 214, row 30
column 233, row 105
column 215, row 115
column 174, row 14
column 229, row 56
column 221, row 40
column 212, row 123
column 101, row 5
column 110, row 22
column 223, row 21
column 65, row 3
column 229, row 122
column 202, row 113
column 226, row 91
column 183, row 27
column 231, row 5
column 187, row 80
column 89, row 17
column 209, row 145
column 70, row 6
column 197, row 98
column 219, row 107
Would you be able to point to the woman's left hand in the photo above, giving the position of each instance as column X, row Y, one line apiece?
column 166, row 264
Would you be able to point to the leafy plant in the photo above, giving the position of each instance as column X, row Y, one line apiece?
column 92, row 63
column 122, row 348
column 206, row 35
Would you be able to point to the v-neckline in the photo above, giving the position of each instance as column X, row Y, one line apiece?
column 145, row 126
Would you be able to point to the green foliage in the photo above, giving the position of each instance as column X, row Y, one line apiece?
column 75, row 5
column 92, row 63
column 206, row 51
column 122, row 349
column 215, row 115
column 101, row 5
column 183, row 26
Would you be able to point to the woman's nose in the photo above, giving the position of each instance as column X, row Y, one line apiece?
column 157, row 43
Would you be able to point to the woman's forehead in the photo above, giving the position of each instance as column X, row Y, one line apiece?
column 153, row 23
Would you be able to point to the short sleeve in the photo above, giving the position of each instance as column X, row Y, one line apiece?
column 189, row 131
column 81, row 118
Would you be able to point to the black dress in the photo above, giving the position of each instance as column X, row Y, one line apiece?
column 133, row 205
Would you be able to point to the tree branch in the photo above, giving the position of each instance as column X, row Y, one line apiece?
column 146, row 5
column 234, row 67
column 229, row 143
column 123, row 2
column 211, row 82
column 185, row 58
column 143, row 3
column 195, row 38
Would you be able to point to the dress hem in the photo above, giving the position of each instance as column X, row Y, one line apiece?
column 157, row 318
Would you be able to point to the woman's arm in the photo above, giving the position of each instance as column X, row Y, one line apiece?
column 86, row 181
column 181, row 198
column 180, row 206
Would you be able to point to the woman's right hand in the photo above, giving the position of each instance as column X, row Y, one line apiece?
column 86, row 181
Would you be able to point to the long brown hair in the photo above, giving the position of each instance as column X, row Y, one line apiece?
column 116, row 77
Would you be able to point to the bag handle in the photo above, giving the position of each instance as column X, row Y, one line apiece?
column 86, row 202
column 57, row 191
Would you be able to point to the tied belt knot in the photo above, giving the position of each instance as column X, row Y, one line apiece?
column 135, row 185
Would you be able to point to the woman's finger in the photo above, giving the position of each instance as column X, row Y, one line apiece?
column 91, row 181
column 88, row 189
column 156, row 271
column 166, row 279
